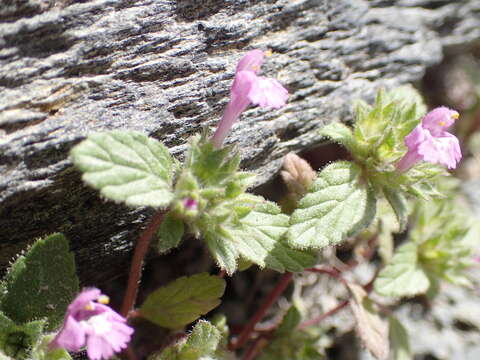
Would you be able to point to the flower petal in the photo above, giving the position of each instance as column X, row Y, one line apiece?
column 71, row 337
column 251, row 61
column 268, row 92
column 439, row 120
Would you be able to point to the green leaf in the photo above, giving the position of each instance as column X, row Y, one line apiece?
column 126, row 166
column 202, row 343
column 257, row 237
column 289, row 322
column 398, row 202
column 399, row 341
column 298, row 344
column 403, row 276
column 441, row 231
column 42, row 352
column 16, row 341
column 339, row 133
column 42, row 283
column 371, row 329
column 338, row 205
column 183, row 300
column 170, row 233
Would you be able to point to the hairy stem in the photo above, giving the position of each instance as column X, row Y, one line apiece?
column 136, row 267
column 258, row 316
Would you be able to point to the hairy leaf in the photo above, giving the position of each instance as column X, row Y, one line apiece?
column 339, row 133
column 42, row 283
column 338, row 205
column 399, row 341
column 258, row 238
column 398, row 202
column 170, row 233
column 371, row 329
column 126, row 166
column 183, row 300
column 403, row 276
column 202, row 343
column 16, row 341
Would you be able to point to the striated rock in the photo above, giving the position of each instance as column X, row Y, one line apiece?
column 164, row 67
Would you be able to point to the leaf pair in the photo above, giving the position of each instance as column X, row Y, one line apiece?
column 132, row 168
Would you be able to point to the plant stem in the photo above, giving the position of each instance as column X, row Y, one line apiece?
column 320, row 318
column 141, row 248
column 256, row 347
column 258, row 316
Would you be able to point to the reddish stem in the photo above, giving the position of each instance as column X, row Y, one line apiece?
column 256, row 347
column 258, row 316
column 141, row 248
column 320, row 318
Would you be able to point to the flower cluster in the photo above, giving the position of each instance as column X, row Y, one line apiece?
column 249, row 88
column 430, row 141
column 90, row 322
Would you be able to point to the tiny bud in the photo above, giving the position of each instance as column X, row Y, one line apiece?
column 297, row 174
column 190, row 204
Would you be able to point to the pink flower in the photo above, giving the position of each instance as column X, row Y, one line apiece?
column 249, row 88
column 92, row 323
column 430, row 141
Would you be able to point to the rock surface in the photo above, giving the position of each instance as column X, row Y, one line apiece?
column 164, row 67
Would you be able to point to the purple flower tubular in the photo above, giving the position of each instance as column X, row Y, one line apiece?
column 90, row 322
column 430, row 141
column 248, row 88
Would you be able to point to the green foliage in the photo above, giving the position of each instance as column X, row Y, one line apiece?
column 380, row 129
column 42, row 352
column 376, row 143
column 440, row 231
column 439, row 247
column 17, row 341
column 202, row 343
column 236, row 226
column 289, row 342
column 399, row 205
column 289, row 322
column 183, row 300
column 126, row 166
column 338, row 205
column 41, row 283
column 399, row 340
column 403, row 276
column 170, row 233
column 257, row 237
column 340, row 133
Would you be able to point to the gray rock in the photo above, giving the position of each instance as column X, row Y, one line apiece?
column 164, row 67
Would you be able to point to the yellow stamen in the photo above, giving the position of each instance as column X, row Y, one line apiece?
column 455, row 115
column 268, row 53
column 89, row 307
column 442, row 123
column 255, row 68
column 104, row 299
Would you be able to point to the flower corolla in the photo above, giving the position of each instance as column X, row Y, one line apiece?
column 430, row 141
column 90, row 322
column 249, row 88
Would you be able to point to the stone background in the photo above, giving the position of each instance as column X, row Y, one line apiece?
column 164, row 67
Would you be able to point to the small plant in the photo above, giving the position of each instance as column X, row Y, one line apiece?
column 398, row 152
